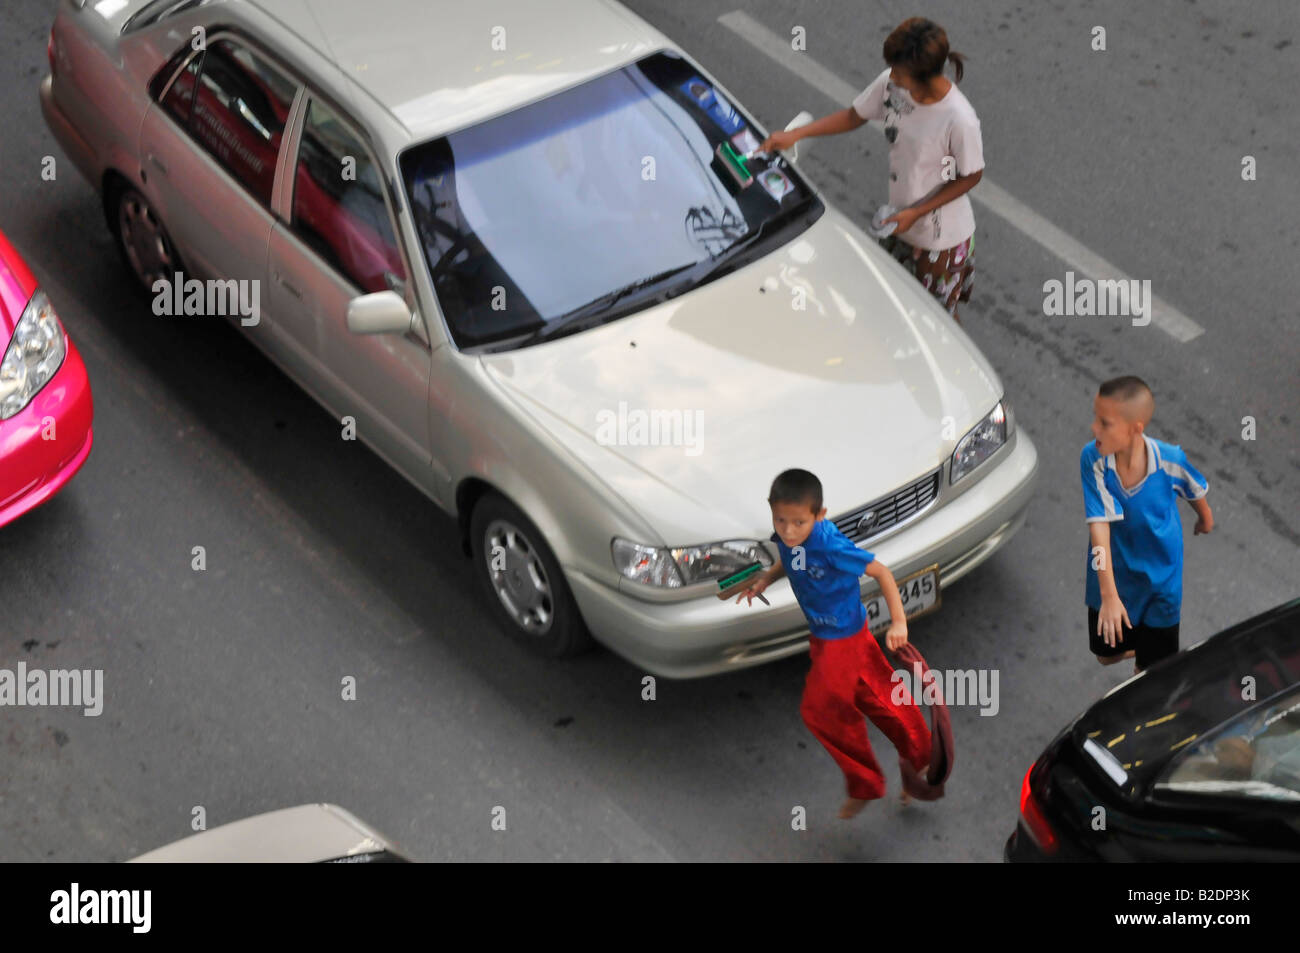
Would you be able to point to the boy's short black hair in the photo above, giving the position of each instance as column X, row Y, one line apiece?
column 1125, row 388
column 797, row 486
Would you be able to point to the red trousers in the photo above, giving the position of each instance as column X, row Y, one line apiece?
column 850, row 678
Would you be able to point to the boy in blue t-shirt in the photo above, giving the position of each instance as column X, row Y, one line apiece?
column 849, row 676
column 1131, row 485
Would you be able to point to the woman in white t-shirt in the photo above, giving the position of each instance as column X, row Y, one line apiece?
column 936, row 156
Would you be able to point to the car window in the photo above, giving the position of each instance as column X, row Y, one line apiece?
column 168, row 69
column 1257, row 756
column 179, row 97
column 632, row 175
column 338, row 203
column 239, row 114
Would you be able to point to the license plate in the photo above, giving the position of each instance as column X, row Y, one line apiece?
column 919, row 592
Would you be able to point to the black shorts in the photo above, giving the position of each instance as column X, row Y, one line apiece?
column 1151, row 643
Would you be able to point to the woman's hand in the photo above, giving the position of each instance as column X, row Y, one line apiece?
column 780, row 140
column 905, row 218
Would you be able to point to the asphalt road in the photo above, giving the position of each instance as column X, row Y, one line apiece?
column 223, row 687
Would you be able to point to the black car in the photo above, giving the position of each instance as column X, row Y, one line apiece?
column 1195, row 759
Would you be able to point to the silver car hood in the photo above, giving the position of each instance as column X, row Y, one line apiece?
column 855, row 387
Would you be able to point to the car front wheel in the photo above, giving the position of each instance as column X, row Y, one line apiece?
column 522, row 581
column 143, row 239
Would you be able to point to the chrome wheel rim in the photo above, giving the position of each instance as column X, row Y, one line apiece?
column 148, row 248
column 515, row 569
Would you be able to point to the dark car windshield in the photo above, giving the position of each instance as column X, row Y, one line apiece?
column 1145, row 724
column 595, row 201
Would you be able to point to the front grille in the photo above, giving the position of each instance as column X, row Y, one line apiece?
column 892, row 510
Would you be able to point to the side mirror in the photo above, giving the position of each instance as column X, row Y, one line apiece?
column 802, row 119
column 383, row 312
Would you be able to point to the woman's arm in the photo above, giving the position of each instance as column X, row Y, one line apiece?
column 846, row 120
column 958, row 187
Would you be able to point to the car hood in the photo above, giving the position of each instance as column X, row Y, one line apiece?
column 869, row 386
column 17, row 284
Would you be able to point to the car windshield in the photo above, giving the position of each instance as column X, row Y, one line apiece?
column 1145, row 724
column 595, row 201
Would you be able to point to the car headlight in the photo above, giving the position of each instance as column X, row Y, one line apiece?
column 981, row 441
column 34, row 355
column 673, row 568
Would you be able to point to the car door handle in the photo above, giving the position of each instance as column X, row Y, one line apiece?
column 287, row 287
column 153, row 161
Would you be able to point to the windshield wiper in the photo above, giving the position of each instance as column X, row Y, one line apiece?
column 710, row 268
column 599, row 305
column 727, row 257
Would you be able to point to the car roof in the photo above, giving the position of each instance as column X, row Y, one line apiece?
column 308, row 833
column 432, row 63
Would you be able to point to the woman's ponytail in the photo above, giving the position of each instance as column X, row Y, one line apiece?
column 956, row 59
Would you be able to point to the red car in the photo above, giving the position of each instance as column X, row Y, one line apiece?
column 45, row 404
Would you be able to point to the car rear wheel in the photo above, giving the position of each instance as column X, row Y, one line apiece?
column 522, row 581
column 143, row 239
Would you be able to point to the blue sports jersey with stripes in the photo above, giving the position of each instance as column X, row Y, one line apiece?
column 1146, row 532
column 825, row 573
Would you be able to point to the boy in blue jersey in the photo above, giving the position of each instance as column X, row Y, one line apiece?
column 849, row 677
column 1131, row 486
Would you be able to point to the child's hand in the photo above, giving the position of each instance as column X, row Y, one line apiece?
column 1204, row 523
column 896, row 637
column 1108, row 620
column 752, row 592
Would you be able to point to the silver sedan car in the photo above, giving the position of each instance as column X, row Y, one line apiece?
column 530, row 254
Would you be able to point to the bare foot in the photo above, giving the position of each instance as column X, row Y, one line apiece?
column 905, row 798
column 852, row 807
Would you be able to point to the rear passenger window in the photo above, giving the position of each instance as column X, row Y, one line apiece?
column 180, row 95
column 338, row 203
column 239, row 114
column 168, row 69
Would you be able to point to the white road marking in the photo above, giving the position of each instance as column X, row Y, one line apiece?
column 993, row 197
